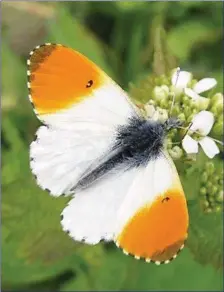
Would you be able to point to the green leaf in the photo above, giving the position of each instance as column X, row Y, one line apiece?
column 13, row 78
column 118, row 272
column 206, row 236
column 125, row 6
column 163, row 60
column 34, row 245
column 181, row 39
column 133, row 65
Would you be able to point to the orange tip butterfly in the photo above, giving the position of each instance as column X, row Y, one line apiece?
column 96, row 146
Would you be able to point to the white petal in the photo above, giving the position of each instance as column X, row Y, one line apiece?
column 209, row 146
column 180, row 79
column 203, row 122
column 190, row 145
column 191, row 93
column 204, row 85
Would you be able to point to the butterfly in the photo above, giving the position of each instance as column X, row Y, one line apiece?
column 95, row 146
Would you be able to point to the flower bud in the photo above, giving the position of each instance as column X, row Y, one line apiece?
column 168, row 142
column 163, row 80
column 218, row 208
column 165, row 88
column 208, row 210
column 189, row 119
column 217, row 98
column 187, row 111
column 164, row 103
column 218, row 128
column 151, row 101
column 176, row 110
column 159, row 93
column 219, row 197
column 204, row 177
column 214, row 190
column 220, row 108
column 201, row 103
column 211, row 200
column 181, row 117
column 203, row 191
column 205, row 204
column 210, row 167
column 176, row 152
column 209, row 184
column 163, row 115
column 186, row 100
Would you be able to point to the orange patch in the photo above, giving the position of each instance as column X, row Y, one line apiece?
column 157, row 231
column 60, row 77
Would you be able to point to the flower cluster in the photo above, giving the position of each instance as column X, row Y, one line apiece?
column 211, row 190
column 180, row 95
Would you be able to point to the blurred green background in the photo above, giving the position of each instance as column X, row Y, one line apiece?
column 128, row 40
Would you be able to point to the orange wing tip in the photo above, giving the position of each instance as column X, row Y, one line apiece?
column 50, row 62
column 37, row 47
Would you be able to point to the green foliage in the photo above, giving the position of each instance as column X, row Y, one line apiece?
column 206, row 236
column 128, row 40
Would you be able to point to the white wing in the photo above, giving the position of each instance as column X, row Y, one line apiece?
column 143, row 210
column 91, row 214
column 59, row 157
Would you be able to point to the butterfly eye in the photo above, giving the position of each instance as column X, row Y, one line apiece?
column 89, row 84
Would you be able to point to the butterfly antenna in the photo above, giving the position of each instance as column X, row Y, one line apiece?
column 174, row 95
column 188, row 128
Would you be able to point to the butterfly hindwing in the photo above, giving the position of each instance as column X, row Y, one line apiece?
column 153, row 220
column 91, row 214
column 142, row 209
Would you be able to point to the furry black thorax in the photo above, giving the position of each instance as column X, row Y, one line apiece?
column 136, row 144
column 140, row 140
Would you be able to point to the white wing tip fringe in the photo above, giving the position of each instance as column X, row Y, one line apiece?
column 148, row 260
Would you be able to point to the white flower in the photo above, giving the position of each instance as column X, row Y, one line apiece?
column 201, row 123
column 181, row 79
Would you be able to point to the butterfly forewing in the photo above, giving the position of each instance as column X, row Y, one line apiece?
column 81, row 107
